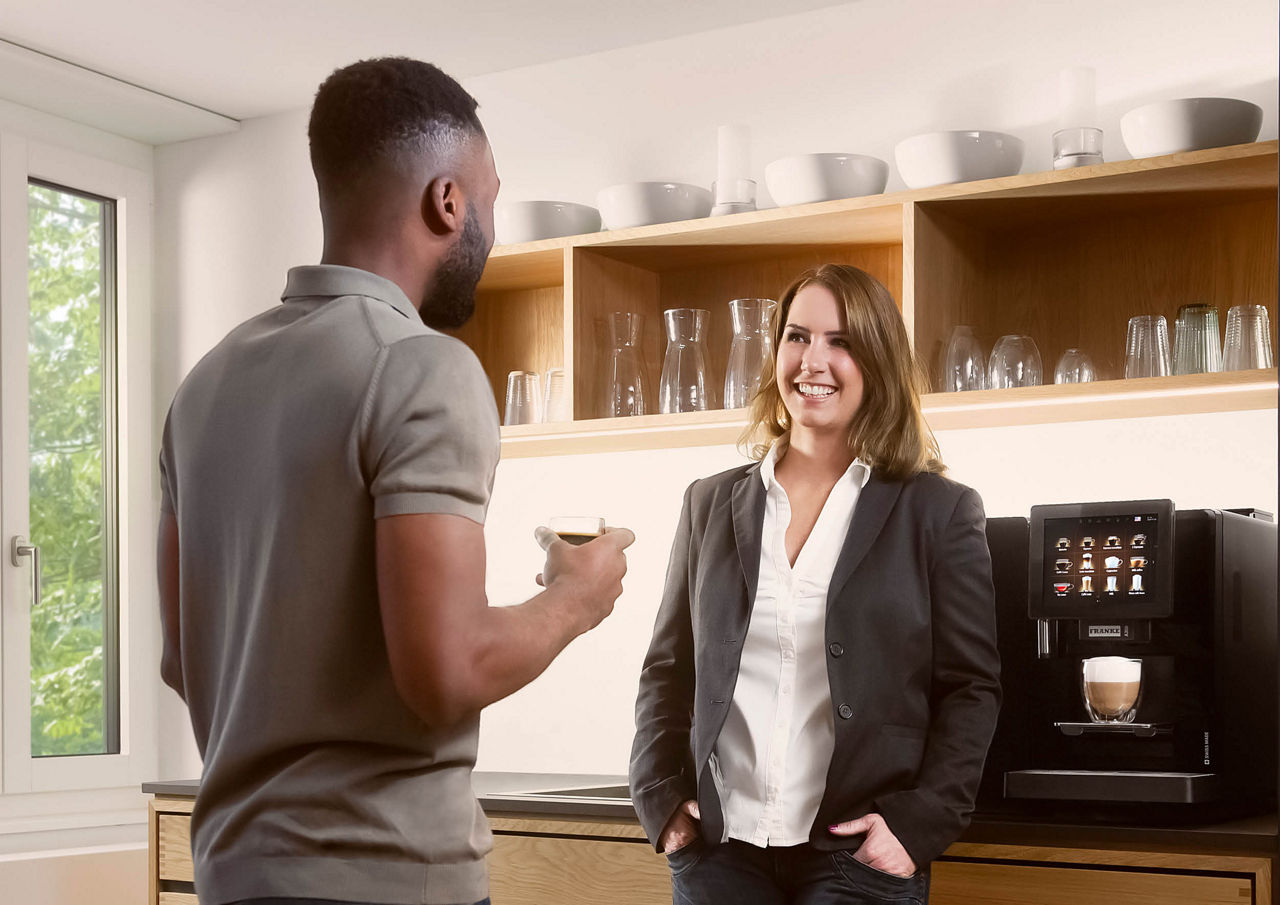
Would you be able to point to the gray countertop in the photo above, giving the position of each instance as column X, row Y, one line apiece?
column 501, row 794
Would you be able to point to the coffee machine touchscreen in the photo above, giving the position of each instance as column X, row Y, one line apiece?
column 1102, row 562
column 1102, row 559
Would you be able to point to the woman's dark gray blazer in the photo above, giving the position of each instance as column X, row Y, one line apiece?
column 911, row 658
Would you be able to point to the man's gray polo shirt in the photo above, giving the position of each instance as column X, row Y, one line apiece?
column 283, row 445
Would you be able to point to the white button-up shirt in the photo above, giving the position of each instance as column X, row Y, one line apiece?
column 771, row 759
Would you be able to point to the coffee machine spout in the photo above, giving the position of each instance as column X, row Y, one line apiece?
column 1044, row 646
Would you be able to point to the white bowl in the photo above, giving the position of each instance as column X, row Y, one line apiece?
column 824, row 177
column 642, row 203
column 937, row 158
column 528, row 221
column 1189, row 124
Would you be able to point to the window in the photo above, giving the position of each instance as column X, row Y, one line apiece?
column 78, row 657
column 71, row 252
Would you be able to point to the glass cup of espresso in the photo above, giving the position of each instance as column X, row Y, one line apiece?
column 576, row 529
column 1112, row 686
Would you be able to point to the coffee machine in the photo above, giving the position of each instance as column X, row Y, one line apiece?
column 1186, row 598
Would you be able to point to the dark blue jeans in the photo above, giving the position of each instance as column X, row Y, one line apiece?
column 280, row 901
column 735, row 873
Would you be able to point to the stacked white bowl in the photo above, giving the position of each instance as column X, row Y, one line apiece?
column 528, row 221
column 938, row 158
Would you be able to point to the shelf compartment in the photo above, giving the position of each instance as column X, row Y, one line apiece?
column 1071, row 276
column 519, row 321
column 1231, row 391
column 650, row 279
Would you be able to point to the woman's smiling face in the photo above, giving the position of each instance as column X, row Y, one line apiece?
column 820, row 383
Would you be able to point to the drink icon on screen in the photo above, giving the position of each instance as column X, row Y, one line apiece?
column 1113, row 563
column 1139, row 541
column 1064, row 543
column 1137, row 562
column 1135, row 585
column 1062, row 566
column 1113, row 541
column 1086, row 562
column 1086, row 543
column 1086, row 584
column 1113, row 584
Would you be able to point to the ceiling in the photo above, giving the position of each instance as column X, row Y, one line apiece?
column 247, row 58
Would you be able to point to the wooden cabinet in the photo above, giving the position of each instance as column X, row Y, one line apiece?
column 1065, row 256
column 171, row 876
column 540, row 860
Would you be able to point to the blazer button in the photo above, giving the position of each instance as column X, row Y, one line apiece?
column 836, row 648
column 845, row 711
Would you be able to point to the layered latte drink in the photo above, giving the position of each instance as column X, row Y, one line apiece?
column 1111, row 688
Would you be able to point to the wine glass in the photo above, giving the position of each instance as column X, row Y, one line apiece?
column 1075, row 366
column 963, row 369
column 1015, row 362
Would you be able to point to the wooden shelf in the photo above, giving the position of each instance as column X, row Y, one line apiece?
column 1105, row 400
column 1065, row 256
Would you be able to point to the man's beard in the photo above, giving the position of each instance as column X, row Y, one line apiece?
column 451, row 300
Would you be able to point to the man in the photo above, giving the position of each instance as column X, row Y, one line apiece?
column 326, row 471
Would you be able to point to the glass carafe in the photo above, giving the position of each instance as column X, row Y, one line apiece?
column 752, row 346
column 625, row 393
column 684, row 370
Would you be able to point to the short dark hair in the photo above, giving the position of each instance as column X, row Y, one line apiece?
column 375, row 110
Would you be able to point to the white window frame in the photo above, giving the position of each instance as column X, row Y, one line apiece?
column 21, row 160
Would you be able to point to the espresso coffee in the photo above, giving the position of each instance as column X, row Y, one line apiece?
column 576, row 529
column 1111, row 700
column 576, row 539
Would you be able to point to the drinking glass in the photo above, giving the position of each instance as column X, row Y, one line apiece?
column 1075, row 366
column 522, row 398
column 752, row 346
column 963, row 368
column 684, row 369
column 1112, row 687
column 1015, row 362
column 1248, row 339
column 1147, row 347
column 625, row 393
column 555, row 400
column 1197, row 346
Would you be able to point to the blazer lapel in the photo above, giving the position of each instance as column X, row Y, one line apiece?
column 874, row 505
column 747, row 504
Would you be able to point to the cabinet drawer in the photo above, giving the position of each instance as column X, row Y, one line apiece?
column 174, row 843
column 960, row 883
column 540, row 870
column 178, row 898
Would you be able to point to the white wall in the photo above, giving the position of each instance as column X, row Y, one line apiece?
column 235, row 211
column 107, row 875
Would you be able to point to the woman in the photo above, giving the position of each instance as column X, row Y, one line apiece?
column 821, row 687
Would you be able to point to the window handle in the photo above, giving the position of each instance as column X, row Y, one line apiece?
column 19, row 549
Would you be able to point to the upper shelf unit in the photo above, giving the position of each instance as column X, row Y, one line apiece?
column 1065, row 256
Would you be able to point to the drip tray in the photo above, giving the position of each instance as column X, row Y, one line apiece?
column 1100, row 785
column 1138, row 730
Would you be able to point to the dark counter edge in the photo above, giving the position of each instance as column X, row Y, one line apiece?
column 498, row 796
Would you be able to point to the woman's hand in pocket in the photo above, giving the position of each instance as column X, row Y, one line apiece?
column 681, row 829
column 881, row 848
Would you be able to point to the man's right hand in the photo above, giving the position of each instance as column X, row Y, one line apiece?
column 591, row 573
column 681, row 829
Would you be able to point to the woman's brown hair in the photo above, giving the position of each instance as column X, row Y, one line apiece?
column 888, row 432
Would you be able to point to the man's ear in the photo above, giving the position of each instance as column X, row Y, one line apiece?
column 444, row 210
